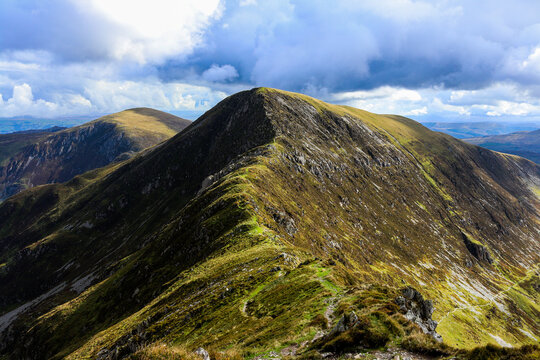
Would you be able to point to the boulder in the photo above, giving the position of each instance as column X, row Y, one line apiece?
column 418, row 310
column 202, row 353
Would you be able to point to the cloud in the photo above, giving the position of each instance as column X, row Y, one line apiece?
column 437, row 104
column 82, row 30
column 347, row 45
column 501, row 100
column 157, row 29
column 115, row 96
column 247, row 2
column 220, row 73
column 23, row 99
column 99, row 97
column 385, row 99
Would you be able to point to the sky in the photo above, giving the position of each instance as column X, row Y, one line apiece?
column 447, row 60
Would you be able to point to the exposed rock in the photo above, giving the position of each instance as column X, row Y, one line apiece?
column 478, row 251
column 346, row 322
column 418, row 310
column 272, row 355
column 286, row 221
column 202, row 353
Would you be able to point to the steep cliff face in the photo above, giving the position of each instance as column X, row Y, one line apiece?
column 59, row 156
column 276, row 221
column 13, row 143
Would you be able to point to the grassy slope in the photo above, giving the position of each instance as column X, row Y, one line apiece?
column 441, row 211
column 226, row 268
column 146, row 126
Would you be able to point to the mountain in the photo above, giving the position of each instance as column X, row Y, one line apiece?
column 523, row 143
column 462, row 130
column 278, row 225
column 11, row 144
column 34, row 158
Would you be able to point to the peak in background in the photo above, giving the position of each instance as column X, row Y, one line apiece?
column 31, row 158
column 462, row 130
column 277, row 225
column 523, row 143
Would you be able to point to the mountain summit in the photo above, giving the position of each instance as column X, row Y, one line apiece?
column 277, row 224
column 36, row 158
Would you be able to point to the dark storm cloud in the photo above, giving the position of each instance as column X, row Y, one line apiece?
column 350, row 45
column 56, row 26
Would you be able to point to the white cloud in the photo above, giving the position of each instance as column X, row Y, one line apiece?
column 533, row 61
column 415, row 112
column 22, row 100
column 386, row 92
column 12, row 66
column 407, row 10
column 107, row 96
column 151, row 31
column 22, row 95
column 510, row 108
column 438, row 105
column 385, row 99
column 218, row 73
column 247, row 2
column 499, row 100
column 102, row 96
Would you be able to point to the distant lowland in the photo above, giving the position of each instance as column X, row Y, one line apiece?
column 18, row 124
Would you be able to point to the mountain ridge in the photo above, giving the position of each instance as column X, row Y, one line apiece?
column 244, row 227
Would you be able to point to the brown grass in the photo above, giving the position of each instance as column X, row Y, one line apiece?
column 177, row 352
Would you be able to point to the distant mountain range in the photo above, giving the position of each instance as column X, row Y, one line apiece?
column 275, row 226
column 37, row 157
column 462, row 130
column 523, row 143
column 18, row 124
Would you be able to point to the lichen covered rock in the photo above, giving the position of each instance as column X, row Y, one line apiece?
column 418, row 310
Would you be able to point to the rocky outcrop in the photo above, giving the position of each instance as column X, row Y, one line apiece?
column 477, row 250
column 418, row 310
column 346, row 322
column 202, row 353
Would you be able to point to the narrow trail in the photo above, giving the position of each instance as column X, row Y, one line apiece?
column 329, row 312
column 491, row 301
